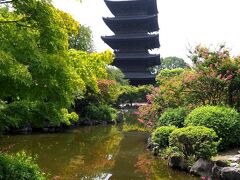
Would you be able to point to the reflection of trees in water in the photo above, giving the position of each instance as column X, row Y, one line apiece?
column 131, row 146
column 96, row 158
column 143, row 164
column 156, row 168
column 80, row 151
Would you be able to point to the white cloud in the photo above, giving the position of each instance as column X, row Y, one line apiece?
column 181, row 23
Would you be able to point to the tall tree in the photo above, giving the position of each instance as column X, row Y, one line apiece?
column 82, row 40
column 172, row 62
column 39, row 77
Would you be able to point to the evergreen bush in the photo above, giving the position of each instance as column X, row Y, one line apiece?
column 195, row 141
column 100, row 112
column 19, row 167
column 225, row 122
column 173, row 117
column 161, row 135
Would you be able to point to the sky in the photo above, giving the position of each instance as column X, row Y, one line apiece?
column 183, row 23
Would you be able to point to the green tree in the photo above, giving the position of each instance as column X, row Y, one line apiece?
column 82, row 40
column 116, row 74
column 172, row 62
column 39, row 78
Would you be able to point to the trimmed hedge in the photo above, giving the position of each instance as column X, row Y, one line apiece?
column 19, row 167
column 195, row 141
column 173, row 117
column 161, row 135
column 225, row 121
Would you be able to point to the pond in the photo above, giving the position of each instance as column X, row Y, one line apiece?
column 100, row 152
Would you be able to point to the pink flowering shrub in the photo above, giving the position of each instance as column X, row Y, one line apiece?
column 213, row 80
column 148, row 114
column 218, row 75
column 169, row 94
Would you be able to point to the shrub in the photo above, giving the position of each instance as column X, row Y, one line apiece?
column 195, row 141
column 225, row 121
column 161, row 135
column 173, row 117
column 19, row 167
column 132, row 94
column 169, row 73
column 100, row 112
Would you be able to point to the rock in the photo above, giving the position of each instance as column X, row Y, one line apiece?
column 177, row 162
column 221, row 163
column 234, row 159
column 229, row 173
column 237, row 158
column 149, row 142
column 216, row 171
column 120, row 117
column 234, row 165
column 202, row 167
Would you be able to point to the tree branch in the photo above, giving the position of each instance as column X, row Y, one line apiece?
column 13, row 21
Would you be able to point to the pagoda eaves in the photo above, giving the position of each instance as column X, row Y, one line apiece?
column 132, row 7
column 132, row 41
column 135, row 26
column 125, row 24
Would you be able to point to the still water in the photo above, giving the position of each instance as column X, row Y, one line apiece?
column 100, row 152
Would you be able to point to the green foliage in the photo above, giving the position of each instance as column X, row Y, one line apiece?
column 39, row 78
column 116, row 74
column 219, row 75
column 204, row 89
column 108, row 91
column 173, row 117
column 195, row 141
column 19, row 167
column 90, row 67
column 161, row 135
column 42, row 17
column 131, row 94
column 134, row 127
column 168, row 73
column 172, row 63
column 225, row 121
column 82, row 40
column 100, row 112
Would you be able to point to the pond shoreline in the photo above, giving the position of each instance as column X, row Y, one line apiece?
column 94, row 151
column 224, row 166
column 28, row 129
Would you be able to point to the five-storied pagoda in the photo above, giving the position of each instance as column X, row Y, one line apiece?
column 135, row 25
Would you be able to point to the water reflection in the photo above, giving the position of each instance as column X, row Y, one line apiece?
column 94, row 153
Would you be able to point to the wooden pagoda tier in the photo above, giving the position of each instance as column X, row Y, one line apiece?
column 146, row 59
column 144, row 24
column 132, row 42
column 132, row 7
column 140, row 78
column 135, row 25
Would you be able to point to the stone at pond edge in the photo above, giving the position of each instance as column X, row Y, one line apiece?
column 202, row 167
column 218, row 166
column 120, row 117
column 150, row 144
column 177, row 162
column 221, row 163
column 229, row 173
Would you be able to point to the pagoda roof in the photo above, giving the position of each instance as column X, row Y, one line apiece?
column 132, row 41
column 147, row 23
column 139, row 75
column 140, row 78
column 132, row 7
column 137, row 82
column 124, row 59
